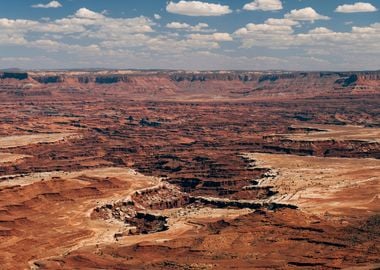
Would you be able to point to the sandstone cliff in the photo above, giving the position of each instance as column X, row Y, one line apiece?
column 198, row 85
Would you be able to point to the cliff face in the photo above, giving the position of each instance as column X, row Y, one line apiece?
column 49, row 79
column 278, row 85
column 177, row 77
column 14, row 75
column 234, row 84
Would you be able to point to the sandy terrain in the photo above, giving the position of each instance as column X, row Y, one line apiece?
column 335, row 132
column 21, row 140
column 53, row 216
column 343, row 186
column 28, row 179
column 9, row 157
column 65, row 201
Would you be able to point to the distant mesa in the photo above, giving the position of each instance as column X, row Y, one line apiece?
column 202, row 84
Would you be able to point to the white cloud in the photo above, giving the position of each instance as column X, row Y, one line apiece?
column 12, row 39
column 108, row 36
column 171, row 46
column 257, row 30
column 264, row 35
column 89, row 38
column 157, row 16
column 288, row 22
column 357, row 7
column 364, row 30
column 13, row 31
column 83, row 25
column 320, row 31
column 200, row 27
column 177, row 25
column 197, row 8
column 88, row 14
column 305, row 14
column 350, row 49
column 212, row 37
column 46, row 44
column 18, row 24
column 96, row 25
column 265, row 5
column 52, row 4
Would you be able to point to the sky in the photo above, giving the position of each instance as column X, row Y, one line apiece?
column 192, row 35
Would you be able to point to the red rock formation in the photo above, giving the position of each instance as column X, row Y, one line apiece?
column 187, row 85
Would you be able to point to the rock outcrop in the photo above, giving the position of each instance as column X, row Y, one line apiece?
column 14, row 75
column 228, row 84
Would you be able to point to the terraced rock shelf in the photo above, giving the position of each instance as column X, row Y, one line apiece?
column 181, row 170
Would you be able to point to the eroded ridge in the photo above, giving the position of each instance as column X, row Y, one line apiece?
column 155, row 170
column 141, row 213
column 50, row 215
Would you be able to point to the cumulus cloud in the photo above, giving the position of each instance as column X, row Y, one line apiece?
column 92, row 24
column 366, row 30
column 157, row 16
column 177, row 25
column 18, row 24
column 197, row 8
column 88, row 14
column 288, row 22
column 200, row 27
column 264, row 35
column 320, row 31
column 357, row 7
column 96, row 38
column 12, row 39
column 52, row 4
column 13, row 31
column 258, row 30
column 265, row 5
column 358, row 44
column 212, row 37
column 305, row 14
column 84, row 24
column 87, row 33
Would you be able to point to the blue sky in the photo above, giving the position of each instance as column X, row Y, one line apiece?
column 181, row 34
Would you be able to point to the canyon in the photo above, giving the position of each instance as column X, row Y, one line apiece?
column 166, row 169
